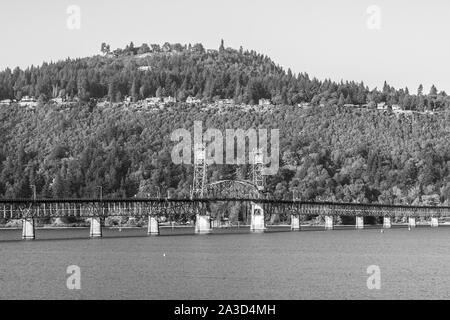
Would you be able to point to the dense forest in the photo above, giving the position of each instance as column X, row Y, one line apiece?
column 181, row 71
column 328, row 152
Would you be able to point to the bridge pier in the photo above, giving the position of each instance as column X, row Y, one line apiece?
column 28, row 229
column 359, row 222
column 387, row 222
column 434, row 223
column 153, row 226
column 202, row 224
column 412, row 222
column 329, row 223
column 295, row 222
column 257, row 223
column 96, row 227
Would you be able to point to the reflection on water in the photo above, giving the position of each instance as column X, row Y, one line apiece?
column 230, row 264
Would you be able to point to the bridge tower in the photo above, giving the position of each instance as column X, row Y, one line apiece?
column 257, row 220
column 295, row 217
column 257, row 168
column 202, row 219
column 199, row 181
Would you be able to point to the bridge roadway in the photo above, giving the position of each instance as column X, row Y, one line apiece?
column 260, row 210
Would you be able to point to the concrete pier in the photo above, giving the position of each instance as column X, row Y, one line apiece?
column 202, row 224
column 295, row 222
column 329, row 223
column 96, row 228
column 28, row 229
column 359, row 223
column 153, row 226
column 434, row 223
column 257, row 222
column 412, row 222
column 387, row 223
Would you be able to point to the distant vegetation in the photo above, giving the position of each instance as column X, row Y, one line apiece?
column 328, row 151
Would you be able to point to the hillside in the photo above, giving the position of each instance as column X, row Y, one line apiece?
column 328, row 153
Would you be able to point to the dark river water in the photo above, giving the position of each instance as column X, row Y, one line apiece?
column 231, row 264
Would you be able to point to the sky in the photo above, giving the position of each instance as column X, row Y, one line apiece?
column 403, row 42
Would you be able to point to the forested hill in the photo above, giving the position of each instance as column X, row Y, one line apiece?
column 327, row 153
column 183, row 70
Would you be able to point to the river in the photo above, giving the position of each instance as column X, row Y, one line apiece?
column 230, row 264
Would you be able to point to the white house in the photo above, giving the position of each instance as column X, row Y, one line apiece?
column 225, row 101
column 153, row 100
column 192, row 100
column 396, row 107
column 264, row 102
column 145, row 68
column 5, row 102
column 169, row 99
column 382, row 106
column 57, row 100
column 304, row 105
column 27, row 101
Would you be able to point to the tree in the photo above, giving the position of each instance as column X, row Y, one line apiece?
column 112, row 91
column 341, row 101
column 105, row 48
column 420, row 90
column 144, row 49
column 433, row 91
column 134, row 91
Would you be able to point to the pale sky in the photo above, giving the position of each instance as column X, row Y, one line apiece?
column 326, row 38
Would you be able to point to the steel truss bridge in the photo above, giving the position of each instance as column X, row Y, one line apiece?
column 186, row 209
column 223, row 201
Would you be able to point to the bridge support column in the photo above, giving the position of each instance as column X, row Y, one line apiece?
column 359, row 223
column 387, row 222
column 329, row 223
column 434, row 222
column 295, row 222
column 202, row 224
column 28, row 229
column 257, row 222
column 412, row 222
column 95, row 228
column 153, row 226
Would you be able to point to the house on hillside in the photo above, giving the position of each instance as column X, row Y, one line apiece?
column 225, row 101
column 264, row 102
column 57, row 100
column 145, row 68
column 27, row 101
column 192, row 100
column 5, row 102
column 396, row 107
column 304, row 105
column 169, row 99
column 382, row 106
column 153, row 100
